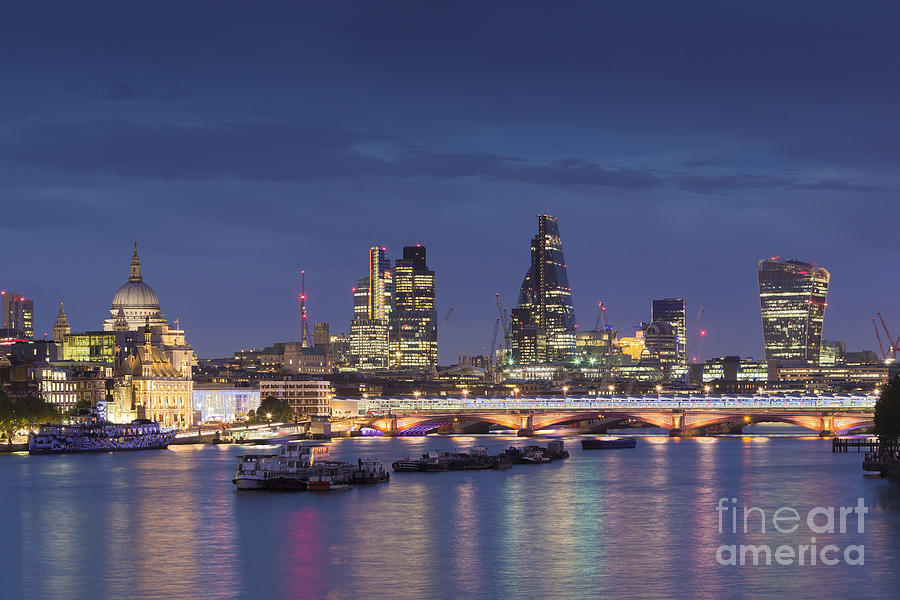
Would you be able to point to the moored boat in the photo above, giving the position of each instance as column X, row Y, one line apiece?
column 608, row 443
column 90, row 432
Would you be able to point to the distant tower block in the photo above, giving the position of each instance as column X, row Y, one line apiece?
column 321, row 336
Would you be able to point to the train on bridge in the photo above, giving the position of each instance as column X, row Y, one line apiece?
column 680, row 414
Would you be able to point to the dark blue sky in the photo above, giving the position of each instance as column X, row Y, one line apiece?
column 677, row 142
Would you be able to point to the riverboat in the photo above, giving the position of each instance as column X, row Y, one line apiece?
column 90, row 432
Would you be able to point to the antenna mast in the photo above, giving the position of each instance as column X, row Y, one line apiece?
column 304, row 326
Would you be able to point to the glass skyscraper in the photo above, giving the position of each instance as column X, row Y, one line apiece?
column 372, row 305
column 792, row 297
column 542, row 325
column 672, row 312
column 18, row 313
column 414, row 317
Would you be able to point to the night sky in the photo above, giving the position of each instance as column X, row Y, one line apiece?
column 678, row 143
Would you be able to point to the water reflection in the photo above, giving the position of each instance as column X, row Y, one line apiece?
column 636, row 523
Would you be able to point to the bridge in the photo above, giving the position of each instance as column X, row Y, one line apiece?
column 681, row 415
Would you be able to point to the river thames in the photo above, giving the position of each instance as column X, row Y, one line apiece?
column 638, row 523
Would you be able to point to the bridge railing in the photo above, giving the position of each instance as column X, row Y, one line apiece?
column 451, row 404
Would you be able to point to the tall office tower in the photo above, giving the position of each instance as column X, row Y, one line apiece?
column 792, row 298
column 660, row 347
column 542, row 327
column 18, row 313
column 672, row 311
column 414, row 318
column 372, row 305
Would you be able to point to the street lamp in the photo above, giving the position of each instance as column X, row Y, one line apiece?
column 706, row 389
column 565, row 391
column 269, row 417
column 465, row 394
column 612, row 389
column 658, row 391
column 516, row 393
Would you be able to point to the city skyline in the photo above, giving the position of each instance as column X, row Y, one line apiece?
column 343, row 326
column 673, row 172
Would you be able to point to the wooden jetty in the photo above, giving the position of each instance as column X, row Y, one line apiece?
column 844, row 444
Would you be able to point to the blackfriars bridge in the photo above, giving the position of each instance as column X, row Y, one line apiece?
column 681, row 415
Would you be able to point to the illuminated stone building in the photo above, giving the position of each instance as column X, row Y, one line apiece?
column 61, row 326
column 372, row 306
column 413, row 321
column 149, row 386
column 542, row 325
column 306, row 396
column 135, row 305
column 792, row 296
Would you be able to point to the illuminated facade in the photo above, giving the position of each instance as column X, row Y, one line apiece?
column 660, row 347
column 413, row 336
column 792, row 296
column 135, row 305
column 149, row 386
column 18, row 313
column 306, row 396
column 222, row 402
column 61, row 326
column 90, row 346
column 672, row 312
column 542, row 325
column 372, row 307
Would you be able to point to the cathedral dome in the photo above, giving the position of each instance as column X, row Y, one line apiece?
column 136, row 294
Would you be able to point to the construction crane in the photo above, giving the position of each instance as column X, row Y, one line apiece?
column 607, row 335
column 889, row 355
column 601, row 318
column 304, row 326
column 700, row 336
column 444, row 320
column 490, row 356
column 501, row 312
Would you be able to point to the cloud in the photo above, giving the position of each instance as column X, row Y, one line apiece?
column 716, row 184
column 291, row 152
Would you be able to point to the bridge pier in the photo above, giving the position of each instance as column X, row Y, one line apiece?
column 526, row 429
column 827, row 429
column 392, row 430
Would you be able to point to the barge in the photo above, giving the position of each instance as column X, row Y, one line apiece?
column 608, row 444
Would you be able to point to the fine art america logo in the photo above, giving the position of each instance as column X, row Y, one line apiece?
column 788, row 521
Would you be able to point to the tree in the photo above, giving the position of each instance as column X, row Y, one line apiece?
column 10, row 420
column 27, row 412
column 279, row 408
column 34, row 410
column 887, row 412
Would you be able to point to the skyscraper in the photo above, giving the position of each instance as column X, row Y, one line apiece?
column 414, row 317
column 672, row 312
column 542, row 327
column 792, row 298
column 18, row 313
column 372, row 305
